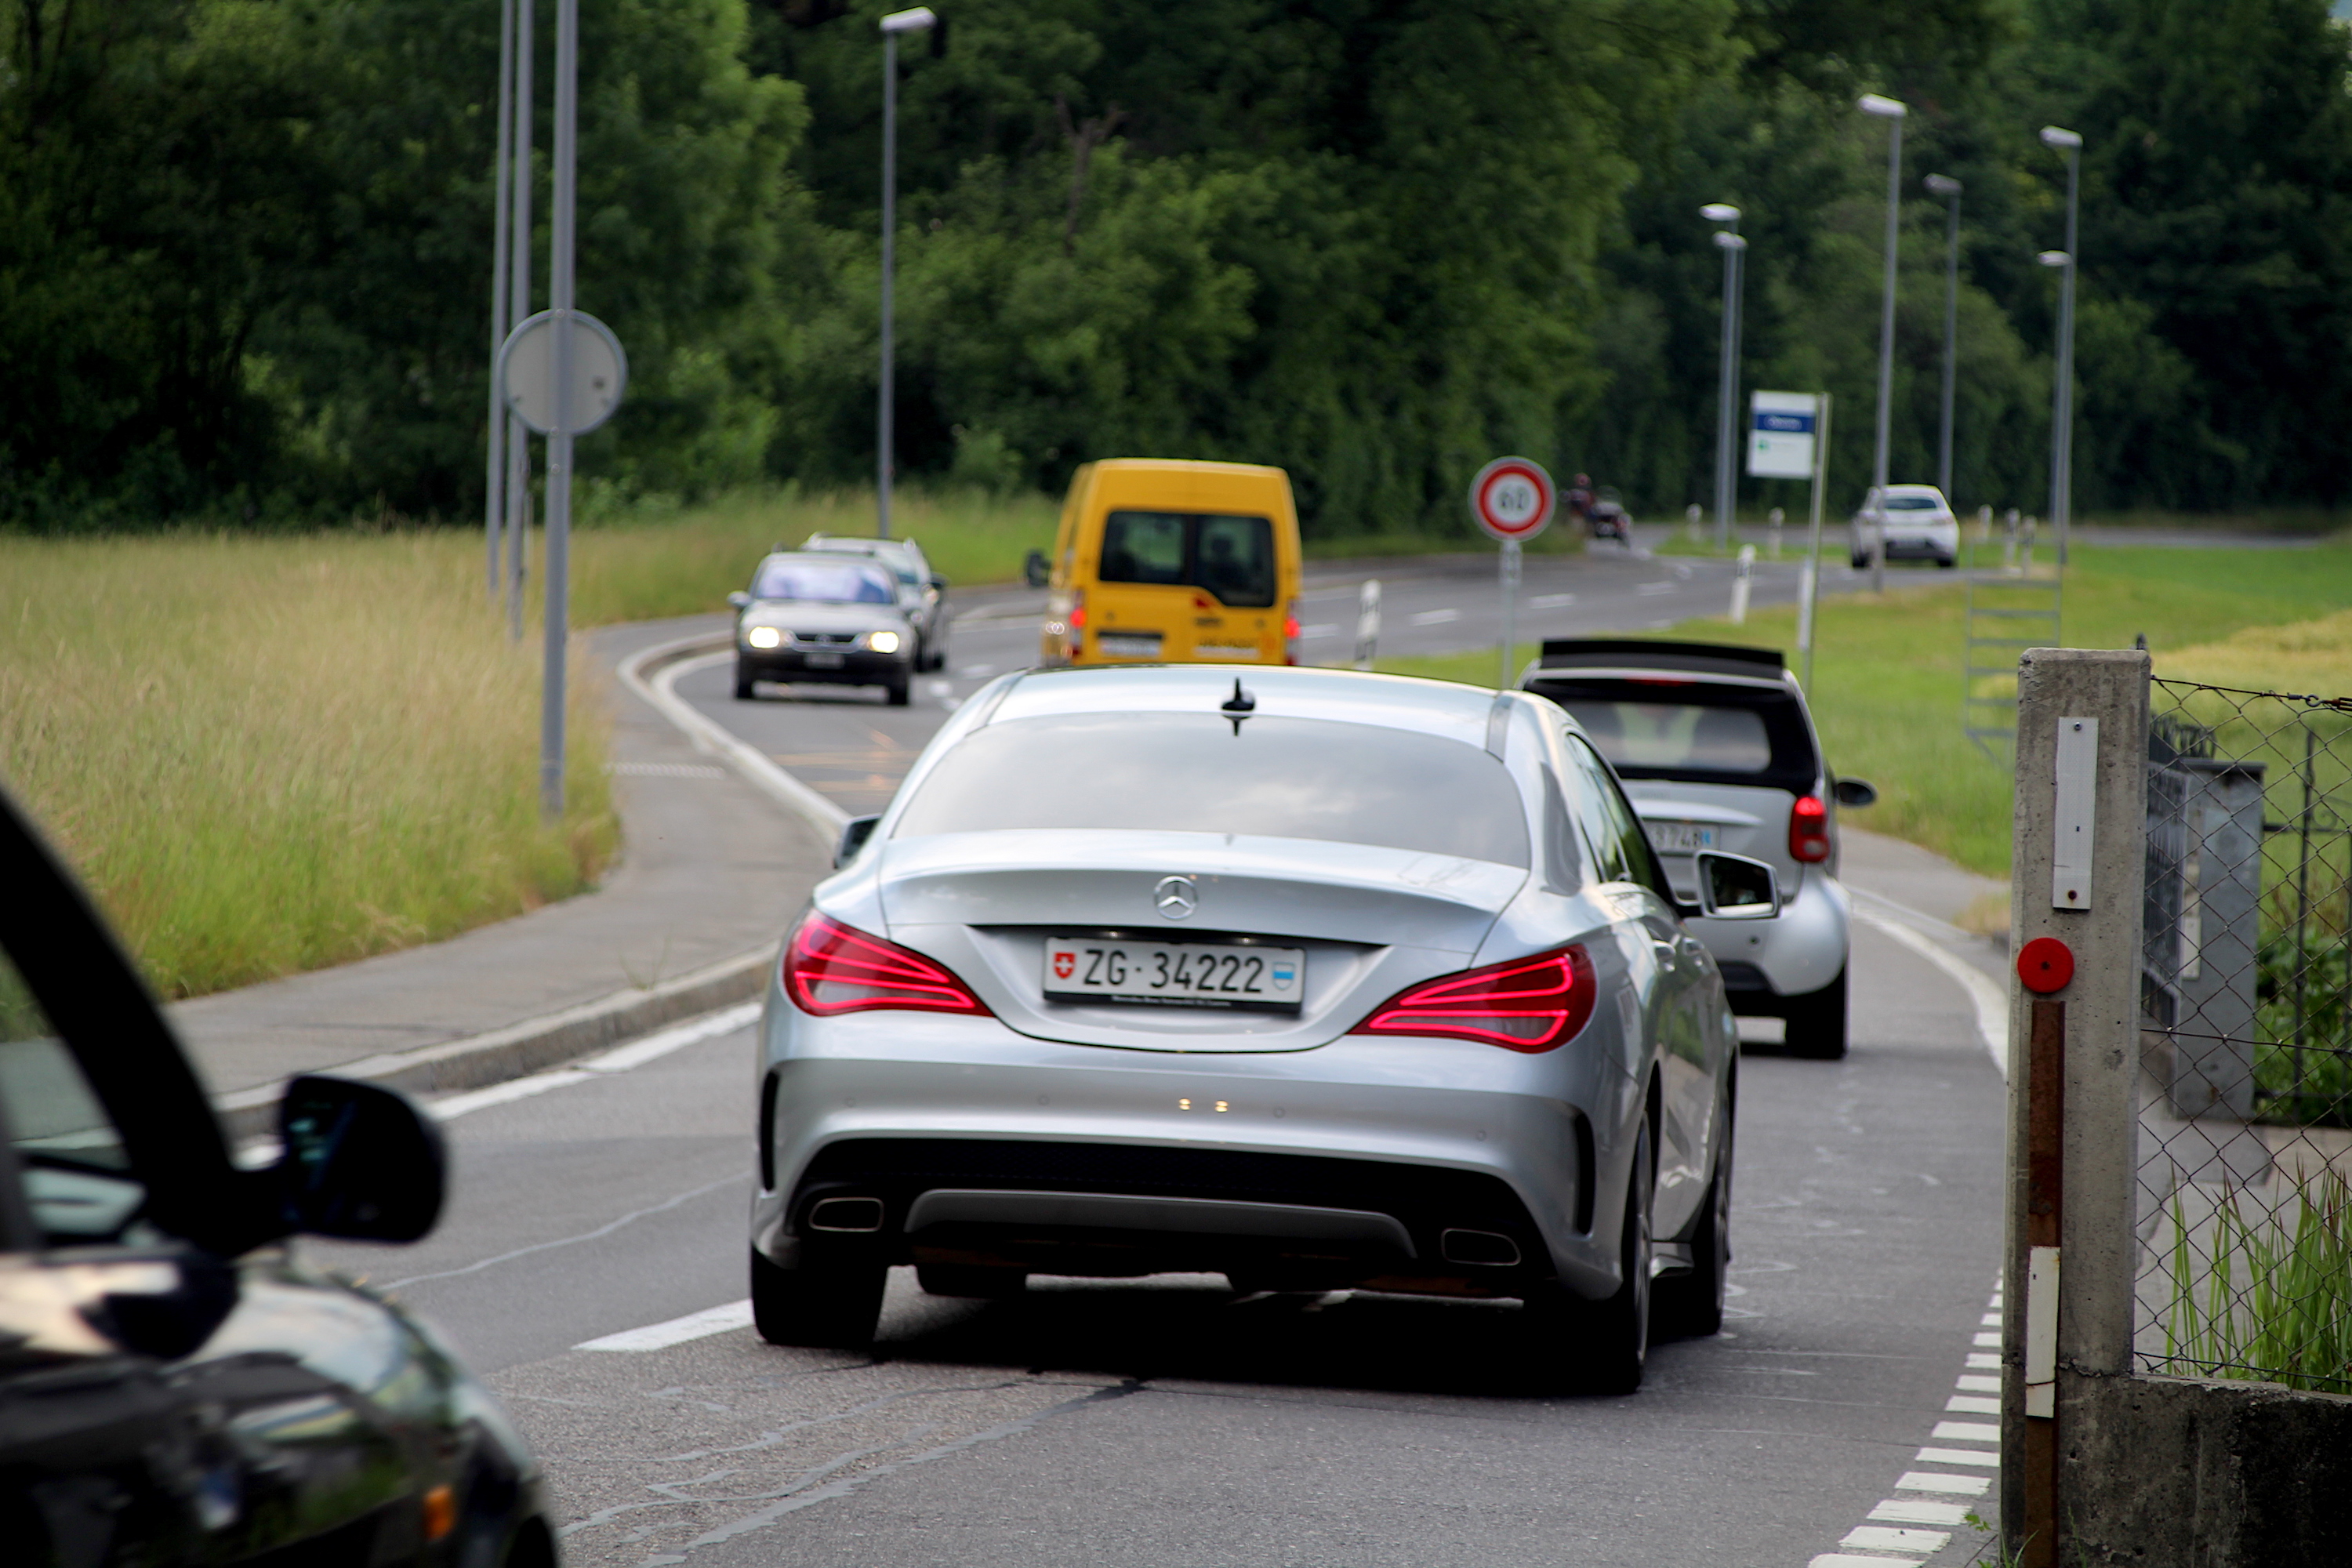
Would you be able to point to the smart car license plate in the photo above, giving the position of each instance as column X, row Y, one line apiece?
column 1680, row 837
column 825, row 660
column 1176, row 974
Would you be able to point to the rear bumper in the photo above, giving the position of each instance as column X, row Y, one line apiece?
column 1766, row 962
column 1388, row 1164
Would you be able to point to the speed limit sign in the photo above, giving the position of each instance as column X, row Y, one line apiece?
column 1511, row 498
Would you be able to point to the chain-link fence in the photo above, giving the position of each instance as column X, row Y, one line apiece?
column 2245, row 1122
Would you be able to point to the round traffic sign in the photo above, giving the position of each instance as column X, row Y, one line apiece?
column 600, row 372
column 1511, row 497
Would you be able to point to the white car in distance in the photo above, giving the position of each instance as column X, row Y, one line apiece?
column 1909, row 522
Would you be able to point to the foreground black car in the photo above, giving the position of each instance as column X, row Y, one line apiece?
column 174, row 1386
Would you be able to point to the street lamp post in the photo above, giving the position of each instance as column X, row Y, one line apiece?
column 2062, row 403
column 518, row 443
column 921, row 19
column 495, row 474
column 556, row 613
column 1891, row 111
column 1733, row 246
column 1949, row 189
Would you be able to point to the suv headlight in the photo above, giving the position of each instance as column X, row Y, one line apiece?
column 882, row 642
column 764, row 636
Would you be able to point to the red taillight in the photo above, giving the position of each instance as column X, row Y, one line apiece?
column 832, row 968
column 1527, row 1005
column 1809, row 829
column 1078, row 622
column 1290, row 634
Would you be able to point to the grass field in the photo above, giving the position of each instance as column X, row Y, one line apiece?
column 269, row 756
column 1886, row 682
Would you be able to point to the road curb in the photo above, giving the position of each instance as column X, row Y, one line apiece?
column 525, row 1048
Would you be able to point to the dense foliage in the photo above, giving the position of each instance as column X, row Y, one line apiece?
column 245, row 244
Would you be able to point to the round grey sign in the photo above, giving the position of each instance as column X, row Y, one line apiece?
column 600, row 372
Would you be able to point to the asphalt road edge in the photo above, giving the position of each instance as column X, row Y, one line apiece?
column 522, row 1049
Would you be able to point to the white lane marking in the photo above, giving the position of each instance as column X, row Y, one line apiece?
column 1877, row 1538
column 1551, row 601
column 1983, row 1358
column 1912, row 1510
column 1849, row 1559
column 601, row 1231
column 667, row 771
column 699, row 1326
column 1432, row 618
column 1990, row 1002
column 1956, row 1457
column 1989, row 1341
column 1969, row 1383
column 1309, row 634
column 1932, row 1481
column 824, row 819
column 1990, row 1321
column 621, row 1059
column 1653, row 589
column 1969, row 1405
column 1967, row 1432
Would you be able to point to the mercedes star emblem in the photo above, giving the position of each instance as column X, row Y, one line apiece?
column 1176, row 897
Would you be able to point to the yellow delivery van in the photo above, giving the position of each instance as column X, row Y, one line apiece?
column 1161, row 561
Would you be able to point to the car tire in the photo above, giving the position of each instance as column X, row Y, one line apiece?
column 1945, row 563
column 830, row 1306
column 743, row 678
column 900, row 687
column 976, row 1283
column 1690, row 1306
column 1816, row 1022
column 1601, row 1347
column 1859, row 562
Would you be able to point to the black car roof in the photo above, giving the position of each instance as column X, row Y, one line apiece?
column 1644, row 653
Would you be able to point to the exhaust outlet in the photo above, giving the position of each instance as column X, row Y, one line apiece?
column 1481, row 1248
column 855, row 1216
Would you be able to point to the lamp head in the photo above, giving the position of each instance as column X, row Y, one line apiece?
column 1719, row 211
column 2058, row 136
column 1943, row 185
column 921, row 19
column 1884, row 108
column 1728, row 240
column 2055, row 258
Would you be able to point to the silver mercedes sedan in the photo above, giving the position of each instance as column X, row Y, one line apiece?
column 1316, row 979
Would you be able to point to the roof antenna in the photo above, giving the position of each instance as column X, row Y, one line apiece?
column 1237, row 707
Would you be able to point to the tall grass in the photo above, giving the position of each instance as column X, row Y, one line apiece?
column 1886, row 675
column 269, row 755
column 2254, row 1296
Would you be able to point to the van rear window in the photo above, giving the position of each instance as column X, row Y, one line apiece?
column 1228, row 555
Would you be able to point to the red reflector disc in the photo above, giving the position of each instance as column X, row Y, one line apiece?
column 2046, row 964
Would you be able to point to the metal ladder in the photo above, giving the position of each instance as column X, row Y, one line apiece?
column 2007, row 614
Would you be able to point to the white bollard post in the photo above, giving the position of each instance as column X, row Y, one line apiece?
column 1772, row 522
column 1741, row 574
column 1690, row 519
column 1368, row 623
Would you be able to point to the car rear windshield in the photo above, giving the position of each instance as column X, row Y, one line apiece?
column 824, row 582
column 1231, row 556
column 1692, row 730
column 1911, row 504
column 1190, row 772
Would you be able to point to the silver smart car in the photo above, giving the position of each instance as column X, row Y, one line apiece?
column 1312, row 978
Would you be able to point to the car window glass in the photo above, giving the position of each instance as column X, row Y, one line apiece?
column 1618, row 844
column 1230, row 555
column 1909, row 503
column 1563, row 867
column 78, row 1178
column 1143, row 547
column 1190, row 772
column 824, row 581
column 1676, row 734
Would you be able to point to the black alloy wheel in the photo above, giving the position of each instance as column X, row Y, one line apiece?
column 743, row 678
column 900, row 687
column 1816, row 1022
column 827, row 1306
column 1602, row 1347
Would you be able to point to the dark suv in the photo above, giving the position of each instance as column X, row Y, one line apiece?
column 174, row 1386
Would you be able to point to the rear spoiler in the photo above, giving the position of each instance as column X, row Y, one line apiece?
column 1641, row 653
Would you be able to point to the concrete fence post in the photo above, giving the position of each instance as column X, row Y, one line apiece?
column 2079, row 861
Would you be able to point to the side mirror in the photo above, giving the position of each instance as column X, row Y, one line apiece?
column 938, row 581
column 854, row 835
column 360, row 1163
column 1033, row 570
column 739, row 599
column 1854, row 792
column 1733, row 888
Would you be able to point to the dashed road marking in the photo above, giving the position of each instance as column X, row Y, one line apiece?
column 1551, row 601
column 1432, row 618
column 676, row 1331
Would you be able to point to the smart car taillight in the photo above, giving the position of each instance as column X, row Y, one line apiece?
column 832, row 968
column 1527, row 1005
column 1809, row 829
